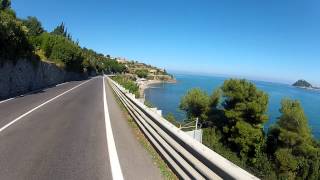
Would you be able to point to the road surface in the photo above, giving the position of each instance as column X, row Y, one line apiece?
column 70, row 131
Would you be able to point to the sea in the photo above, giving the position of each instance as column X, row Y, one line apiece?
column 166, row 96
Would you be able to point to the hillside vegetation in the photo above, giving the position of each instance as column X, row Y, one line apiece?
column 27, row 39
column 233, row 120
column 136, row 69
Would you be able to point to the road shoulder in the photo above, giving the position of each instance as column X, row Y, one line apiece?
column 135, row 161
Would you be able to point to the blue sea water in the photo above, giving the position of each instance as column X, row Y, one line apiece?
column 167, row 97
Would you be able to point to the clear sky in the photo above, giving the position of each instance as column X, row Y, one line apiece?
column 275, row 40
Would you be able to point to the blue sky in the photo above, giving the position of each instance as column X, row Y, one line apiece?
column 277, row 40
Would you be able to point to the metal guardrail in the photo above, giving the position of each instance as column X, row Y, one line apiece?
column 186, row 156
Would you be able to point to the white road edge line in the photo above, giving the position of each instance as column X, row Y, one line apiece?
column 61, row 84
column 6, row 100
column 113, row 156
column 25, row 114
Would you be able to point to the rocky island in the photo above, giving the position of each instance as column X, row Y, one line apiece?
column 304, row 84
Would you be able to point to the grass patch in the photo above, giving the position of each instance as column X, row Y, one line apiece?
column 128, row 84
column 40, row 53
column 156, row 158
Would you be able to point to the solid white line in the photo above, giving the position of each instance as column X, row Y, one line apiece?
column 25, row 114
column 6, row 100
column 113, row 156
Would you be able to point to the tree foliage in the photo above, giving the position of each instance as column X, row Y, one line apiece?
column 60, row 30
column 34, row 26
column 112, row 66
column 290, row 141
column 171, row 118
column 27, row 38
column 60, row 49
column 5, row 4
column 142, row 73
column 13, row 39
column 245, row 109
column 196, row 104
column 234, row 128
column 67, row 52
column 21, row 38
column 98, row 62
column 244, row 102
column 215, row 99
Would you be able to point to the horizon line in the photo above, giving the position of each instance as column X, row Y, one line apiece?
column 263, row 79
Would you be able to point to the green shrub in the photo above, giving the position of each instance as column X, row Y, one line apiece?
column 68, row 53
column 142, row 73
column 112, row 66
column 60, row 49
column 128, row 84
column 13, row 40
column 245, row 110
column 170, row 117
column 100, row 63
column 212, row 138
column 196, row 104
column 290, row 142
column 34, row 26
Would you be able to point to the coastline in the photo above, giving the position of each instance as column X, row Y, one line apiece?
column 308, row 88
column 147, row 84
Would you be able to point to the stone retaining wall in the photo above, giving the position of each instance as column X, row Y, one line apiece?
column 25, row 76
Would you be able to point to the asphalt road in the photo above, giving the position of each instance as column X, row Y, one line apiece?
column 62, row 133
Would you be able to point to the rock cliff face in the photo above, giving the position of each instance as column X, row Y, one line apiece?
column 25, row 76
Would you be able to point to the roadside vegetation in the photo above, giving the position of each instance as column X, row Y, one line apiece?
column 233, row 120
column 27, row 39
column 128, row 84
